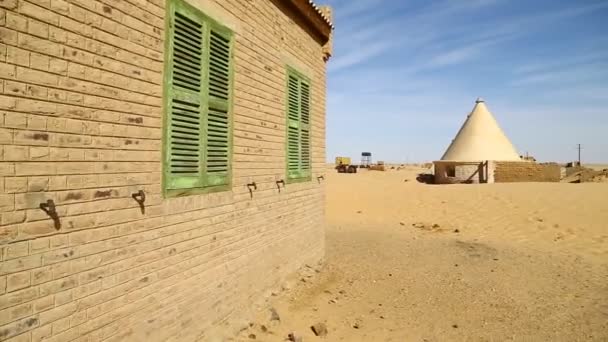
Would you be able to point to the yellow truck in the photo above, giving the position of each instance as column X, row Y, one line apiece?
column 343, row 165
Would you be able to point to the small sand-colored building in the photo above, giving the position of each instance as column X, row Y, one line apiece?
column 482, row 153
column 160, row 163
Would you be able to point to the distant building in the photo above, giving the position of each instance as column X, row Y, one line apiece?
column 158, row 163
column 482, row 153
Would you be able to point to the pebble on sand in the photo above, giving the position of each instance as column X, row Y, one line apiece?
column 319, row 329
column 274, row 315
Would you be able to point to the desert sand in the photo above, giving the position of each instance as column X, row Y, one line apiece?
column 413, row 262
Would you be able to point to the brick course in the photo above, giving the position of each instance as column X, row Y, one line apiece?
column 505, row 172
column 81, row 124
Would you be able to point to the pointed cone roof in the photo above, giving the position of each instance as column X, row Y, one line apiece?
column 480, row 138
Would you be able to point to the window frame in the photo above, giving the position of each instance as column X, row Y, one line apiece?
column 208, row 24
column 291, row 71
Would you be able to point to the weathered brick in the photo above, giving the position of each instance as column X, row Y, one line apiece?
column 39, row 334
column 8, row 234
column 58, row 66
column 15, row 313
column 40, row 62
column 18, row 327
column 16, row 21
column 39, row 13
column 58, row 285
column 36, row 122
column 7, row 202
column 18, row 281
column 18, row 297
column 57, row 35
column 8, row 4
column 42, row 275
column 60, row 6
column 38, row 28
column 16, row 153
column 41, row 45
column 35, row 169
column 14, row 88
column 8, row 36
column 16, row 250
column 13, row 217
column 37, row 77
column 7, row 71
column 17, row 56
column 44, row 303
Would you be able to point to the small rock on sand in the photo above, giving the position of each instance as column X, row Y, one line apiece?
column 274, row 315
column 293, row 337
column 319, row 329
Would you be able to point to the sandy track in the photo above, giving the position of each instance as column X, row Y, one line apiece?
column 413, row 262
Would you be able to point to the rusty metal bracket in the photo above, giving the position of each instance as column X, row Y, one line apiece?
column 140, row 198
column 50, row 209
column 251, row 187
column 279, row 182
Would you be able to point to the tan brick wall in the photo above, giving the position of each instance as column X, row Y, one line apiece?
column 80, row 123
column 505, row 172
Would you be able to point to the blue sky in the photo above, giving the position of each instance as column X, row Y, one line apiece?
column 405, row 73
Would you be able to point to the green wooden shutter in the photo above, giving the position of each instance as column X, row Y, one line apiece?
column 217, row 128
column 293, row 127
column 183, row 158
column 305, row 157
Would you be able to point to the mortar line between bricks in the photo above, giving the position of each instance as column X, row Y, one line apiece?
column 76, row 92
column 219, row 264
column 93, row 27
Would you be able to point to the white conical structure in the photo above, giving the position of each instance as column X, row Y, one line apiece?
column 480, row 138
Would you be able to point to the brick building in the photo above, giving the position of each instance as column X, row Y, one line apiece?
column 160, row 162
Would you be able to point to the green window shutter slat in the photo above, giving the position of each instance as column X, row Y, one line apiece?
column 183, row 84
column 218, row 130
column 305, row 153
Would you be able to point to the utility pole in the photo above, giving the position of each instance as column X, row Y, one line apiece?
column 579, row 148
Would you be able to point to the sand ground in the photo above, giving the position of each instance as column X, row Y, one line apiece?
column 412, row 262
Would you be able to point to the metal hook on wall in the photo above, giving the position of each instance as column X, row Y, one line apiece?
column 140, row 198
column 279, row 182
column 50, row 209
column 252, row 186
column 319, row 178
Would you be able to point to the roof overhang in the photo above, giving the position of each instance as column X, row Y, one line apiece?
column 313, row 17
